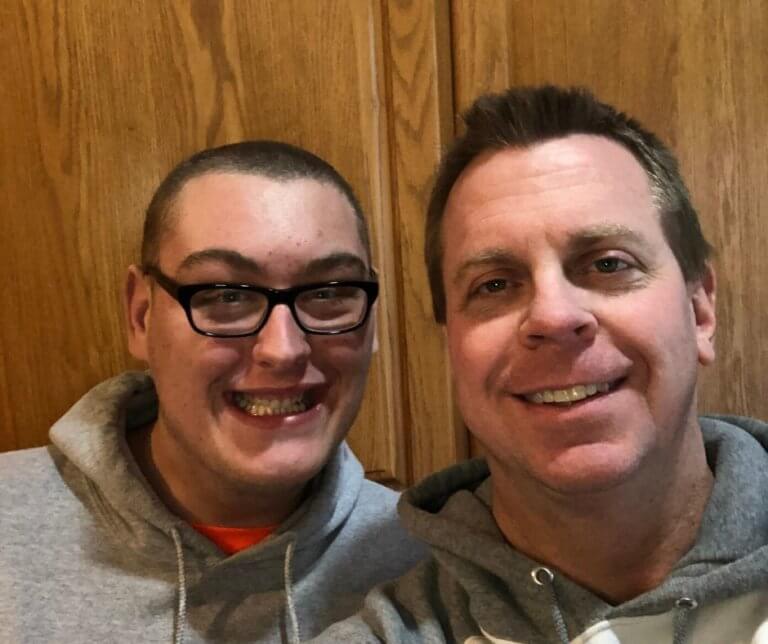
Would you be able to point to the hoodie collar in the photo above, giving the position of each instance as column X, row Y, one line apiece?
column 451, row 511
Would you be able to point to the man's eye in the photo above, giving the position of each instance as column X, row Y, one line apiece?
column 219, row 297
column 325, row 294
column 493, row 286
column 332, row 295
column 230, row 296
column 610, row 265
column 489, row 288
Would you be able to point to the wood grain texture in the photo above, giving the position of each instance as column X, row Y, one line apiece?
column 723, row 84
column 695, row 74
column 621, row 49
column 388, row 447
column 480, row 45
column 107, row 97
column 421, row 107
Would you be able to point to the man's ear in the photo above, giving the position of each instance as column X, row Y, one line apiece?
column 702, row 295
column 137, row 301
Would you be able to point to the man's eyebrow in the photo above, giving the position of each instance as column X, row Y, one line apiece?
column 238, row 261
column 487, row 258
column 578, row 241
column 585, row 238
column 224, row 256
column 336, row 261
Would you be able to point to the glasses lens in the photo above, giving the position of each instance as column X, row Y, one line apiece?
column 332, row 308
column 228, row 311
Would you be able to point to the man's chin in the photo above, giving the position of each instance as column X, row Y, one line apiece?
column 588, row 470
column 276, row 452
column 577, row 471
column 281, row 478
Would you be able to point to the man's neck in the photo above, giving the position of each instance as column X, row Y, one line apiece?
column 617, row 543
column 198, row 499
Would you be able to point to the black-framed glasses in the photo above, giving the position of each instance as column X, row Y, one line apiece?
column 224, row 310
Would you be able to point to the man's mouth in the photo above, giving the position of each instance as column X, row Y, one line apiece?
column 570, row 395
column 272, row 405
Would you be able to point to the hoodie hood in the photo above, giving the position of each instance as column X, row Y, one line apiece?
column 510, row 593
column 91, row 437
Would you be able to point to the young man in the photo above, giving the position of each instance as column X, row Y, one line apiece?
column 569, row 269
column 213, row 499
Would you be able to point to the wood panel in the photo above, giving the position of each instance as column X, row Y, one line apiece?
column 421, row 99
column 723, row 82
column 693, row 72
column 106, row 97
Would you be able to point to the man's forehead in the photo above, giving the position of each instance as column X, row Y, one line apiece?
column 217, row 189
column 576, row 192
column 560, row 162
column 241, row 220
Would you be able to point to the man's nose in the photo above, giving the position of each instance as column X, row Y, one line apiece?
column 557, row 314
column 281, row 344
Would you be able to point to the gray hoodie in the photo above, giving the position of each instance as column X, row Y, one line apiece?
column 477, row 588
column 88, row 553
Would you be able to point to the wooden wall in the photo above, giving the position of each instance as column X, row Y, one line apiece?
column 100, row 99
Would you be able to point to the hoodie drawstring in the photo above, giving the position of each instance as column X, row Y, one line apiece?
column 543, row 576
column 295, row 636
column 181, row 606
column 685, row 607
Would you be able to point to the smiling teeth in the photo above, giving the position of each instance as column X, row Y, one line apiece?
column 569, row 395
column 270, row 406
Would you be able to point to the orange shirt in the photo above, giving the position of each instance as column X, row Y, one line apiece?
column 232, row 540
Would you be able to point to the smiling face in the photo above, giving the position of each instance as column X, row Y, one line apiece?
column 262, row 412
column 573, row 337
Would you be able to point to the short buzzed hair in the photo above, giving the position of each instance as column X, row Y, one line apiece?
column 525, row 116
column 271, row 159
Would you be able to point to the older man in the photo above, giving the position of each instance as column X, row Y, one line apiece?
column 214, row 499
column 569, row 269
